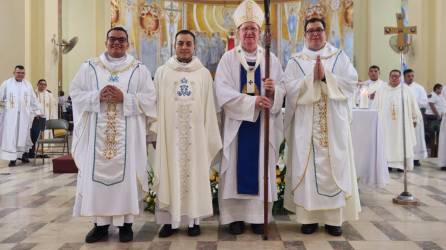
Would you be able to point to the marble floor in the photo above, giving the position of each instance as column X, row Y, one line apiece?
column 36, row 206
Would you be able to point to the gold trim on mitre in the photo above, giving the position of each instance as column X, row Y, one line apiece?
column 315, row 11
column 248, row 11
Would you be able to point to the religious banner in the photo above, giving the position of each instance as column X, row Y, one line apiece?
column 152, row 25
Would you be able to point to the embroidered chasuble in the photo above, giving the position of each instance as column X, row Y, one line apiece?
column 249, row 136
column 321, row 175
column 109, row 139
column 19, row 108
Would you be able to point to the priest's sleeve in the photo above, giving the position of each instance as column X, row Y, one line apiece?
column 214, row 143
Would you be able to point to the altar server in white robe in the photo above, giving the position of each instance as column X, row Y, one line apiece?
column 321, row 177
column 188, row 139
column 113, row 97
column 420, row 150
column 239, row 86
column 437, row 107
column 365, row 91
column 20, row 106
column 389, row 105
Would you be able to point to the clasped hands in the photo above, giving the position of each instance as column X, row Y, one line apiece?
column 111, row 94
column 319, row 73
column 263, row 102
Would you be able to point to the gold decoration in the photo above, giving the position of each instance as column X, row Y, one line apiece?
column 393, row 112
column 315, row 11
column 322, row 109
column 11, row 100
column 111, row 143
column 115, row 12
column 149, row 19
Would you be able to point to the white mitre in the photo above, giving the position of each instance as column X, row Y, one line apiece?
column 248, row 11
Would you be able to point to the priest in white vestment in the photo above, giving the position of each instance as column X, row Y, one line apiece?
column 365, row 91
column 321, row 182
column 188, row 139
column 437, row 109
column 389, row 105
column 420, row 150
column 50, row 109
column 113, row 96
column 20, row 106
column 240, row 98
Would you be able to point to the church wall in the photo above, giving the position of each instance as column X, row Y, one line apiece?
column 13, row 42
column 361, row 27
column 88, row 21
column 37, row 46
column 381, row 13
column 440, row 43
column 422, row 57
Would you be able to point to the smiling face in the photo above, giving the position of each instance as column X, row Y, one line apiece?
column 249, row 35
column 41, row 85
column 117, row 43
column 394, row 78
column 184, row 47
column 315, row 36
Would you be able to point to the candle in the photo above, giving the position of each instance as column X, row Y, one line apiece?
column 364, row 99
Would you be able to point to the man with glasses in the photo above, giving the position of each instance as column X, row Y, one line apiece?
column 321, row 179
column 188, row 139
column 49, row 106
column 20, row 106
column 113, row 100
column 388, row 104
column 240, row 88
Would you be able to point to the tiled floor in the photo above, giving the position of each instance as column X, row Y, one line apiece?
column 36, row 205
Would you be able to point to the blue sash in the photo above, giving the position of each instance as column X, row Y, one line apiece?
column 248, row 146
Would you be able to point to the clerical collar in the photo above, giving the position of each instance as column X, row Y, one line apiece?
column 114, row 59
column 250, row 56
column 184, row 62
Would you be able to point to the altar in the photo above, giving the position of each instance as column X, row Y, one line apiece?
column 368, row 148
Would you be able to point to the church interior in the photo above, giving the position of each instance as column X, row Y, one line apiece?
column 52, row 38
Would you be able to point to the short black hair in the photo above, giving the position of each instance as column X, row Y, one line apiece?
column 117, row 28
column 61, row 93
column 185, row 32
column 41, row 80
column 437, row 86
column 407, row 71
column 313, row 20
column 395, row 70
column 19, row 67
column 374, row 67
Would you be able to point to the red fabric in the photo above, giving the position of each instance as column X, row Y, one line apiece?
column 64, row 164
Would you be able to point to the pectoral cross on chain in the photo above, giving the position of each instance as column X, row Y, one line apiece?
column 401, row 31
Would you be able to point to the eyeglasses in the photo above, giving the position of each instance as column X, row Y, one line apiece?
column 249, row 29
column 315, row 32
column 120, row 40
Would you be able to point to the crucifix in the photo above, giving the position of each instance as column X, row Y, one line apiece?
column 172, row 14
column 401, row 31
column 405, row 198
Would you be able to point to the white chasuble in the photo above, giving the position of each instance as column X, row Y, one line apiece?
column 320, row 168
column 389, row 105
column 109, row 140
column 19, row 108
column 188, row 139
column 236, row 107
